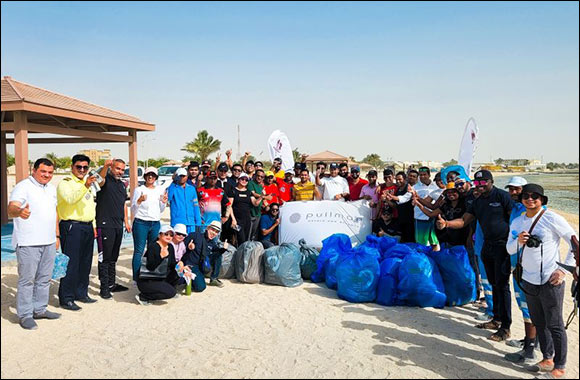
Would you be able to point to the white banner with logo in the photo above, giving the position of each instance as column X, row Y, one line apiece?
column 279, row 147
column 314, row 221
column 468, row 145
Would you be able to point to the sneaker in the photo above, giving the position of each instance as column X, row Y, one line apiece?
column 28, row 324
column 515, row 343
column 484, row 317
column 140, row 300
column 545, row 365
column 515, row 357
column 87, row 299
column 118, row 288
column 46, row 315
column 217, row 283
column 105, row 295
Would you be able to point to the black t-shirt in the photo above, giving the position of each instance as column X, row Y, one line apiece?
column 448, row 212
column 228, row 193
column 493, row 214
column 391, row 229
column 406, row 210
column 154, row 259
column 111, row 203
column 242, row 204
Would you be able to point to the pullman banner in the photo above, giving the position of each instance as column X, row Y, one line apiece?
column 314, row 221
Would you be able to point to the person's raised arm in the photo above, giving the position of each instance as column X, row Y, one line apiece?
column 454, row 224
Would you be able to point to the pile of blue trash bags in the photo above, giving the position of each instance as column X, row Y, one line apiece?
column 389, row 273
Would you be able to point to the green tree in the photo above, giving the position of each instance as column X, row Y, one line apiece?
column 499, row 161
column 10, row 160
column 374, row 160
column 203, row 145
column 451, row 162
column 296, row 155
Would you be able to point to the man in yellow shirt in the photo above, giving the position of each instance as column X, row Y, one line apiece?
column 305, row 190
column 76, row 212
column 277, row 168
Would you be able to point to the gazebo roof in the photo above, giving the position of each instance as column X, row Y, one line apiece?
column 18, row 96
column 326, row 156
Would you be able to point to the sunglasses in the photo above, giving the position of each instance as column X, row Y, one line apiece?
column 81, row 167
column 275, row 210
column 182, row 235
column 237, row 170
column 243, row 179
column 260, row 176
column 480, row 183
column 459, row 184
column 534, row 196
column 169, row 234
column 423, row 170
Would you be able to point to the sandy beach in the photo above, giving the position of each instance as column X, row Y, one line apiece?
column 247, row 330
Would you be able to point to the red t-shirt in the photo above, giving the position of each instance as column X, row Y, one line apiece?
column 273, row 189
column 356, row 189
column 392, row 189
column 285, row 189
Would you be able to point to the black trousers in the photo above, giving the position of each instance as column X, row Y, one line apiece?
column 545, row 303
column 152, row 290
column 77, row 242
column 109, row 244
column 407, row 230
column 498, row 268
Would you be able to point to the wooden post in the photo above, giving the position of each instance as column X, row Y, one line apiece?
column 133, row 161
column 4, row 177
column 21, row 145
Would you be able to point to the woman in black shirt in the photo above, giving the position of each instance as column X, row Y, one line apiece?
column 242, row 202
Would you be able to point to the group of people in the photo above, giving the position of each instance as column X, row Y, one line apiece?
column 211, row 208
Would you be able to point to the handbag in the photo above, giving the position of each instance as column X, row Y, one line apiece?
column 519, row 269
column 159, row 273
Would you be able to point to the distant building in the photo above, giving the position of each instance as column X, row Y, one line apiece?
column 97, row 155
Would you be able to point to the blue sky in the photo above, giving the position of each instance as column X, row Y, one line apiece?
column 397, row 79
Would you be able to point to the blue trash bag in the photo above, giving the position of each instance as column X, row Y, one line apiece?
column 357, row 274
column 458, row 276
column 308, row 260
column 282, row 265
column 388, row 280
column 60, row 265
column 383, row 244
column 420, row 248
column 420, row 282
column 331, row 247
column 399, row 251
column 330, row 272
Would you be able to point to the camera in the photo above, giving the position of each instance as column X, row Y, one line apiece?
column 534, row 241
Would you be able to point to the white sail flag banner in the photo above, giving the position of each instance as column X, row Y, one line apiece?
column 468, row 146
column 279, row 147
column 314, row 221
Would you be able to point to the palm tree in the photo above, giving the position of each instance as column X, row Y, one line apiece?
column 203, row 145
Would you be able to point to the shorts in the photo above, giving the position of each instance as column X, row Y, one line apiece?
column 425, row 232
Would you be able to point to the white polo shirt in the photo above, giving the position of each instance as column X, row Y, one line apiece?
column 333, row 186
column 40, row 227
column 423, row 191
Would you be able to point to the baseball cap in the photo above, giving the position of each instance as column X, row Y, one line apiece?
column 334, row 165
column 483, row 174
column 534, row 188
column 450, row 186
column 355, row 168
column 181, row 171
column 212, row 173
column 372, row 172
column 166, row 228
column 269, row 173
column 215, row 225
column 516, row 181
column 180, row 229
column 244, row 175
column 297, row 165
column 205, row 163
column 151, row 169
column 278, row 159
column 250, row 162
column 223, row 167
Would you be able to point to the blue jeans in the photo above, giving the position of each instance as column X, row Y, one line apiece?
column 215, row 259
column 144, row 233
column 198, row 284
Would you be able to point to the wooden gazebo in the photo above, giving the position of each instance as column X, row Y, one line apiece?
column 28, row 109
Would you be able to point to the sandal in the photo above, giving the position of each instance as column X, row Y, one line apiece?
column 500, row 335
column 490, row 325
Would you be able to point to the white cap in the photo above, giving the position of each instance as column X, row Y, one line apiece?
column 180, row 172
column 150, row 169
column 517, row 181
column 215, row 225
column 165, row 228
column 180, row 229
column 244, row 175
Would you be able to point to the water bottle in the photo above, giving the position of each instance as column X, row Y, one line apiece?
column 95, row 185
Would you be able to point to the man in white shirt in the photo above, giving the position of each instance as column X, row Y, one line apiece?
column 335, row 186
column 33, row 206
column 542, row 279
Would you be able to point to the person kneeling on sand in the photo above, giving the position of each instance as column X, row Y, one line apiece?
column 202, row 245
column 158, row 277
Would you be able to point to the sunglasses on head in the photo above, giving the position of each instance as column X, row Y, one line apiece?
column 81, row 167
column 481, row 183
column 423, row 170
column 534, row 196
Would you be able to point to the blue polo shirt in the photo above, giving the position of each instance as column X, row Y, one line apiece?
column 184, row 205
